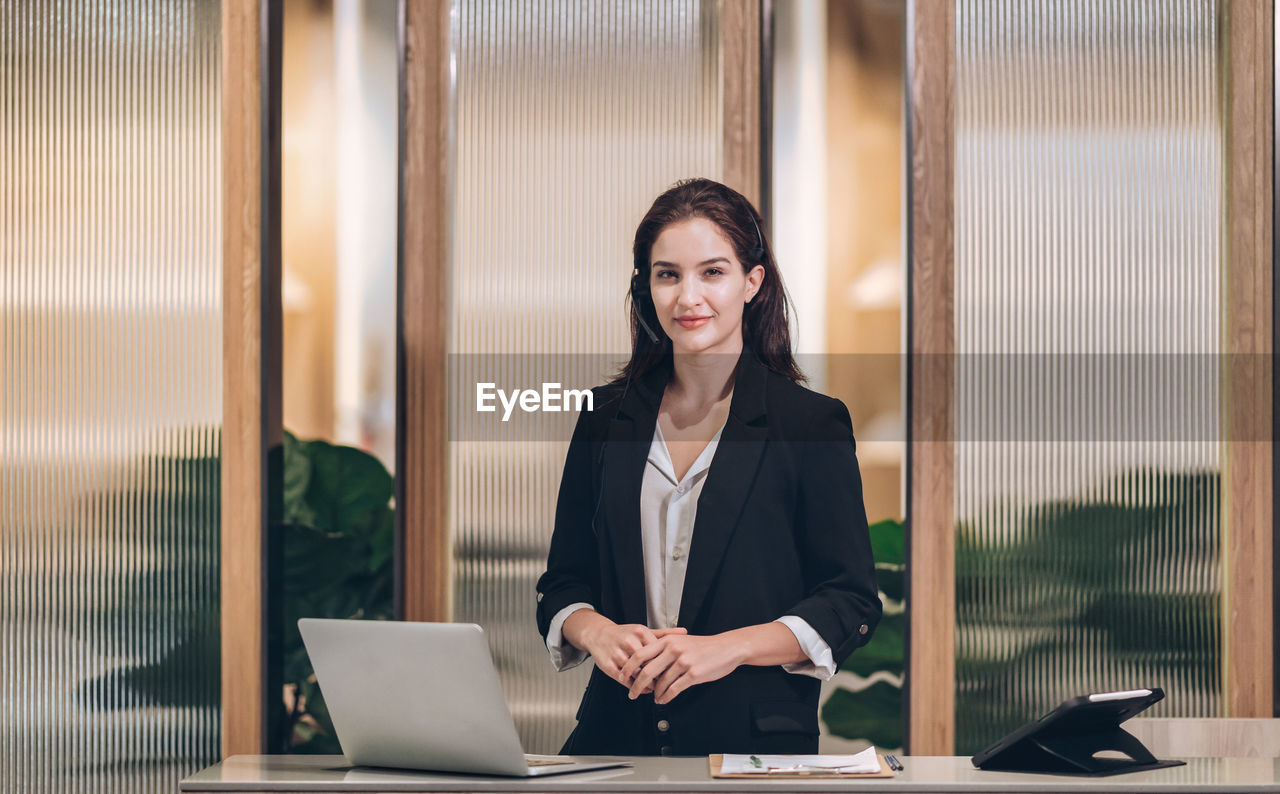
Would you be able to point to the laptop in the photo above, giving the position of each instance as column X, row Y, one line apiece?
column 422, row 696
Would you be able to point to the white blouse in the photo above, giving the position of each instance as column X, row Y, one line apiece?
column 668, row 508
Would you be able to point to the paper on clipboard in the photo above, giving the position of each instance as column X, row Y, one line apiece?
column 865, row 762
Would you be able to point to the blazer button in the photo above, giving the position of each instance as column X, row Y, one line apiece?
column 665, row 749
column 863, row 629
column 664, row 726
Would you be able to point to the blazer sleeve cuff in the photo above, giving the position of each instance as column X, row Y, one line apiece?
column 821, row 664
column 565, row 655
column 550, row 603
column 843, row 633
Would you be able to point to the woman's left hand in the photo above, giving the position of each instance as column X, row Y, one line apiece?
column 678, row 661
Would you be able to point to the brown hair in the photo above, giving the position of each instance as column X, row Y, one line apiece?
column 765, row 327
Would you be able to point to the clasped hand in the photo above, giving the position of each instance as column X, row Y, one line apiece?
column 665, row 662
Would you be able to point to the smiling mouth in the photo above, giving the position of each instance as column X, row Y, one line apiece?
column 693, row 322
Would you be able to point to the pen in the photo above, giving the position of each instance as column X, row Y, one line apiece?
column 894, row 763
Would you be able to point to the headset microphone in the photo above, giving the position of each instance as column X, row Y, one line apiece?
column 652, row 336
column 638, row 287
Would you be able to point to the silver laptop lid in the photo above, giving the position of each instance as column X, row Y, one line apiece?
column 414, row 695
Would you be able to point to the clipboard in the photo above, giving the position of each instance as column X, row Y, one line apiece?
column 714, row 761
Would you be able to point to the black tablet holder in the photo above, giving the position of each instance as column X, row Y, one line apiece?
column 1080, row 737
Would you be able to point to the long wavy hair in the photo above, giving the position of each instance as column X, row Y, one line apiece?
column 765, row 320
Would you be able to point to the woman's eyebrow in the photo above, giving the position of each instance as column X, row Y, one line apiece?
column 712, row 261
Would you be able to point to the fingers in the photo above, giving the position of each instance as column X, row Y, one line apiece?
column 680, row 684
column 635, row 647
column 622, row 643
column 630, row 639
column 636, row 637
column 617, row 659
column 668, row 676
column 659, row 665
column 637, row 660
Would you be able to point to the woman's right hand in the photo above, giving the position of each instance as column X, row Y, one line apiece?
column 610, row 645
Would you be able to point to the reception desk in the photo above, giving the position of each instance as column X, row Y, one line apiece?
column 258, row 773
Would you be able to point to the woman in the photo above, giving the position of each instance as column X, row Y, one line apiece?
column 710, row 550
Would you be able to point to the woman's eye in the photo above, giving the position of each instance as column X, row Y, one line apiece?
column 665, row 273
column 714, row 271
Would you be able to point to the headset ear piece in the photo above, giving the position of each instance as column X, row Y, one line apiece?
column 756, row 254
column 640, row 288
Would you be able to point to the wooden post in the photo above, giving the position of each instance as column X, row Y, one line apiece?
column 1248, row 523
column 251, row 409
column 931, row 680
column 740, row 94
column 422, row 493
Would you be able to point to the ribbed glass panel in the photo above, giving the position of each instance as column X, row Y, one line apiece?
column 572, row 116
column 110, row 393
column 1089, row 201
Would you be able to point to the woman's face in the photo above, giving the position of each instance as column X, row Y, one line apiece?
column 699, row 288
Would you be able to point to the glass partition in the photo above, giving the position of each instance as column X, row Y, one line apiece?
column 1088, row 262
column 110, row 393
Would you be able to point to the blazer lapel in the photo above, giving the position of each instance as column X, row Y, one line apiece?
column 729, row 481
column 625, row 455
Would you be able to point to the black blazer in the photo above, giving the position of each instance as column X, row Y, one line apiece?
column 781, row 530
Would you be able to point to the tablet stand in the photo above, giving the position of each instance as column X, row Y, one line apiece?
column 1074, row 753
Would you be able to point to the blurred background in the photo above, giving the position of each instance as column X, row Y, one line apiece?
column 1089, row 206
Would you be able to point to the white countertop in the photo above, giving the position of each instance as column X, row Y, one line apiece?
column 922, row 774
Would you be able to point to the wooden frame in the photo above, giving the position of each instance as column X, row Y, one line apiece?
column 242, row 564
column 425, row 557
column 740, row 37
column 1248, row 519
column 252, row 432
column 930, row 679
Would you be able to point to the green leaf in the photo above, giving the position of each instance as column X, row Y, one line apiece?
column 297, row 477
column 315, row 561
column 382, row 542
column 348, row 487
column 874, row 715
column 888, row 543
column 891, row 581
column 1145, row 624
